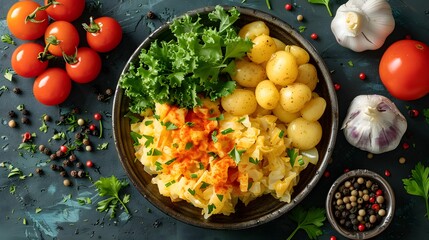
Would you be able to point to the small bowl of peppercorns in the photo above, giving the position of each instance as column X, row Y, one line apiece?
column 360, row 204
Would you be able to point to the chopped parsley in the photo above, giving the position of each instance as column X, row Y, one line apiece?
column 6, row 38
column 170, row 161
column 194, row 175
column 135, row 137
column 214, row 136
column 218, row 118
column 254, row 160
column 204, row 185
column 154, row 152
column 210, row 208
column 235, row 154
column 302, row 28
column 293, row 154
column 148, row 122
column 189, row 145
column 149, row 140
column 192, row 192
column 281, row 134
column 158, row 166
column 170, row 126
column 170, row 183
column 103, row 146
column 220, row 197
column 190, row 124
column 8, row 74
column 226, row 131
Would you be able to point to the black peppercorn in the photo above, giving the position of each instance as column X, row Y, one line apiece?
column 79, row 165
column 60, row 168
column 42, row 148
column 54, row 167
column 53, row 156
column 109, row 92
column 72, row 157
column 39, row 171
column 25, row 120
column 12, row 114
column 374, row 187
column 151, row 15
column 101, row 97
column 66, row 163
column 25, row 112
column 73, row 173
column 17, row 90
column 78, row 136
column 337, row 213
column 63, row 173
column 47, row 151
column 81, row 173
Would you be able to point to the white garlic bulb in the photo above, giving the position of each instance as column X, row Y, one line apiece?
column 363, row 24
column 374, row 124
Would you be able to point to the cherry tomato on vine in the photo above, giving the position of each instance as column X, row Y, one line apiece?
column 84, row 66
column 103, row 34
column 65, row 10
column 25, row 22
column 52, row 87
column 404, row 69
column 62, row 37
column 25, row 60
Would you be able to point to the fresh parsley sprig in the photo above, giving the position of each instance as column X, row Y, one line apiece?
column 418, row 184
column 308, row 220
column 111, row 187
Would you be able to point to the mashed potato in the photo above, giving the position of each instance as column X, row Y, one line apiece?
column 213, row 159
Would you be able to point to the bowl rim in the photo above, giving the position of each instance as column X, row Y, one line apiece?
column 119, row 95
column 390, row 207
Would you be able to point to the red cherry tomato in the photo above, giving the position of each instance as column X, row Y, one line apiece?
column 103, row 34
column 404, row 69
column 25, row 25
column 65, row 10
column 62, row 37
column 52, row 87
column 24, row 60
column 86, row 67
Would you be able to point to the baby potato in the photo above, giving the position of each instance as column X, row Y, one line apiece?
column 240, row 102
column 248, row 74
column 283, row 115
column 299, row 53
column 293, row 97
column 307, row 74
column 304, row 134
column 263, row 47
column 313, row 109
column 267, row 94
column 279, row 44
column 254, row 29
column 282, row 68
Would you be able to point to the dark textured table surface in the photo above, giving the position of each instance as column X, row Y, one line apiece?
column 41, row 207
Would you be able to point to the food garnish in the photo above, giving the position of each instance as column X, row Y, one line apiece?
column 418, row 184
column 195, row 62
column 308, row 220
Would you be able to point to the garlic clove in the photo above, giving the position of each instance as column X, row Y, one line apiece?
column 374, row 124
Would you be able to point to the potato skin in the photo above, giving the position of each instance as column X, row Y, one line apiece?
column 254, row 29
column 263, row 47
column 282, row 68
column 314, row 109
column 240, row 102
column 248, row 74
column 294, row 96
column 267, row 94
column 304, row 134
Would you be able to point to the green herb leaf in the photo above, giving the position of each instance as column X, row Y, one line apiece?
column 418, row 184
column 190, row 124
column 226, row 131
column 218, row 118
column 189, row 145
column 179, row 71
column 281, row 134
column 149, row 140
column 254, row 160
column 135, row 137
column 148, row 122
column 426, row 115
column 30, row 147
column 211, row 207
column 204, row 185
column 324, row 2
column 103, row 146
column 8, row 74
column 6, row 38
column 308, row 220
column 12, row 189
column 38, row 210
column 110, row 187
column 302, row 28
column 170, row 183
column 170, row 126
column 350, row 63
column 220, row 197
column 84, row 200
column 192, row 192
column 236, row 154
column 214, row 136
column 158, row 166
column 194, row 175
column 154, row 152
column 292, row 153
column 170, row 161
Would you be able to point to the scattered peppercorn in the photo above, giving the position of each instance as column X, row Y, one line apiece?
column 337, row 86
column 299, row 18
column 53, row 156
column 73, row 173
column 413, row 113
column 72, row 157
column 80, row 122
column 12, row 123
column 88, row 148
column 89, row 164
column 67, row 182
column 63, row 173
column 101, row 97
column 314, row 36
column 66, row 163
column 42, row 147
column 81, row 173
column 47, row 151
column 79, row 165
column 17, row 90
column 12, row 114
column 25, row 112
column 151, row 15
column 326, row 174
column 47, row 118
column 86, row 142
column 387, row 173
column 39, row 171
column 109, row 92
column 402, row 160
column 25, row 120
column 288, row 7
column 54, row 167
column 362, row 76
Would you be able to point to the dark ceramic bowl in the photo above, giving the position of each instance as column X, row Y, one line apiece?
column 389, row 197
column 265, row 208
